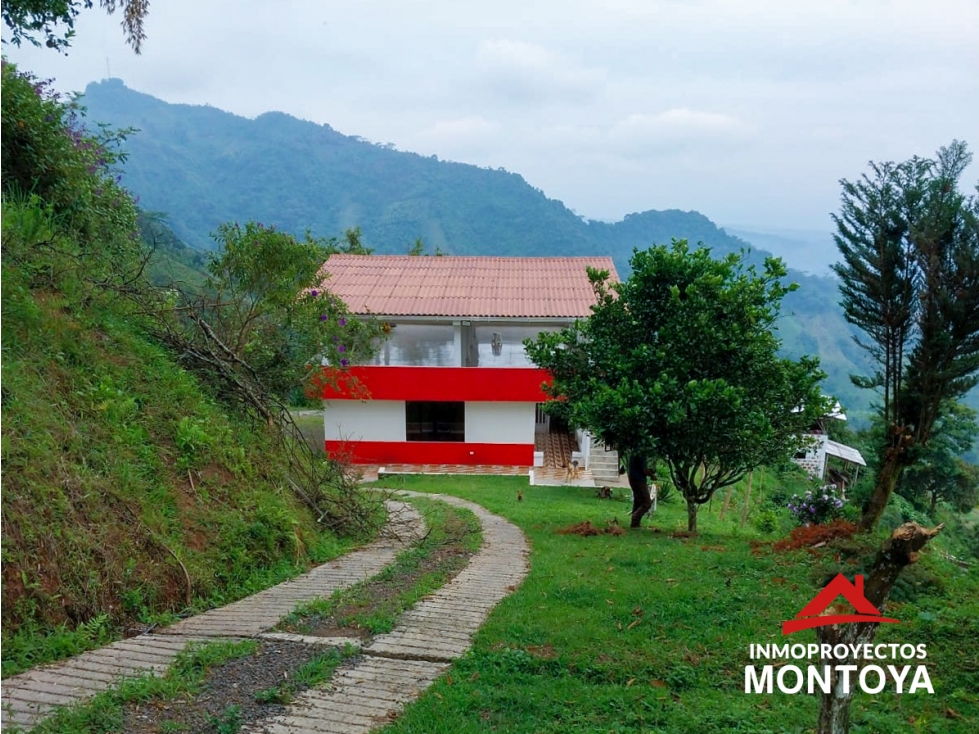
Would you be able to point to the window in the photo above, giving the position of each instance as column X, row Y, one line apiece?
column 431, row 421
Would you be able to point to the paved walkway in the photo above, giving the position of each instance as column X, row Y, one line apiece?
column 368, row 692
column 395, row 668
column 29, row 697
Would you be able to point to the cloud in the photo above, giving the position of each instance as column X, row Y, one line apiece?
column 641, row 134
column 525, row 72
column 749, row 111
column 461, row 132
column 676, row 126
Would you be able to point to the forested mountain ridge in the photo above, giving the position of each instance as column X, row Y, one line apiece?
column 202, row 166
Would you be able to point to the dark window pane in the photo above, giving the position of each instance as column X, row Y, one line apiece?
column 435, row 421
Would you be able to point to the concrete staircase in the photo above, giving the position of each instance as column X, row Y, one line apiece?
column 603, row 465
column 557, row 448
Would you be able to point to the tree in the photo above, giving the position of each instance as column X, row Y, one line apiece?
column 941, row 474
column 901, row 549
column 261, row 326
column 263, row 323
column 910, row 281
column 52, row 159
column 54, row 20
column 680, row 362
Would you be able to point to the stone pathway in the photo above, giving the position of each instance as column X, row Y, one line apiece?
column 29, row 697
column 391, row 671
column 395, row 668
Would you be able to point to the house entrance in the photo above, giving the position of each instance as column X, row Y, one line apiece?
column 553, row 437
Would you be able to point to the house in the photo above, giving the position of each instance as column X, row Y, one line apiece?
column 452, row 383
column 829, row 460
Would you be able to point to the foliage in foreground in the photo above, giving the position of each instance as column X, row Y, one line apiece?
column 130, row 494
column 54, row 20
column 125, row 488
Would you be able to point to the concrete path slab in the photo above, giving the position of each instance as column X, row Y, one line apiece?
column 27, row 698
column 397, row 667
column 392, row 670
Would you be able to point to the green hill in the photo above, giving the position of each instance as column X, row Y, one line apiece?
column 130, row 494
column 202, row 167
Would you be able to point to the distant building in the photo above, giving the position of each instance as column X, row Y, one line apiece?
column 827, row 460
column 452, row 384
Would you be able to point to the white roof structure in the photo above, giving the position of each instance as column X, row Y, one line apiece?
column 847, row 453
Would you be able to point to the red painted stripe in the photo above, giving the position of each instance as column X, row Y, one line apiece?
column 432, row 452
column 494, row 384
column 795, row 625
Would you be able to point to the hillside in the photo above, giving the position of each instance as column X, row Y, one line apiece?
column 201, row 167
column 129, row 493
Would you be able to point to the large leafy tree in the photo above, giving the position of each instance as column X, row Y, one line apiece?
column 680, row 362
column 909, row 239
column 262, row 323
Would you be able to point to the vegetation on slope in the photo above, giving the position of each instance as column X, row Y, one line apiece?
column 129, row 493
column 203, row 167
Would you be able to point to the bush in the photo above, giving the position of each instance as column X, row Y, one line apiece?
column 47, row 154
column 899, row 511
column 818, row 505
column 767, row 521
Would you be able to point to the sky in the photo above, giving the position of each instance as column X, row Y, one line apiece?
column 748, row 111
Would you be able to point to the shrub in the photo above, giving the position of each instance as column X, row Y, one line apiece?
column 817, row 506
column 49, row 155
column 767, row 521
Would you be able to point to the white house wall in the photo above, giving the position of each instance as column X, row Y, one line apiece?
column 508, row 423
column 373, row 420
column 814, row 461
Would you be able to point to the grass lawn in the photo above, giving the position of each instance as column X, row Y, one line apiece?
column 646, row 632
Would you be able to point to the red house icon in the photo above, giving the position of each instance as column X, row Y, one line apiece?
column 812, row 615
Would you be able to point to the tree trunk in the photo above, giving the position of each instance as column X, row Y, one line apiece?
column 898, row 551
column 887, row 480
column 747, row 500
column 834, row 708
column 639, row 482
column 727, row 500
column 692, row 508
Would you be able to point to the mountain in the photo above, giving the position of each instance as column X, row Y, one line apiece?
column 811, row 251
column 202, row 166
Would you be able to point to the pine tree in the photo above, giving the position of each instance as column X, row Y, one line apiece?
column 910, row 281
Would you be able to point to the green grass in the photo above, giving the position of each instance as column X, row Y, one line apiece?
column 361, row 606
column 116, row 464
column 646, row 632
column 104, row 713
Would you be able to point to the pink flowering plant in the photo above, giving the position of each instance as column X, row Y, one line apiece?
column 817, row 506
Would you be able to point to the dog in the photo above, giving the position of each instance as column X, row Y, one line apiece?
column 573, row 471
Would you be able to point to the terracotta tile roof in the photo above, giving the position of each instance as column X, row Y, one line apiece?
column 476, row 287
